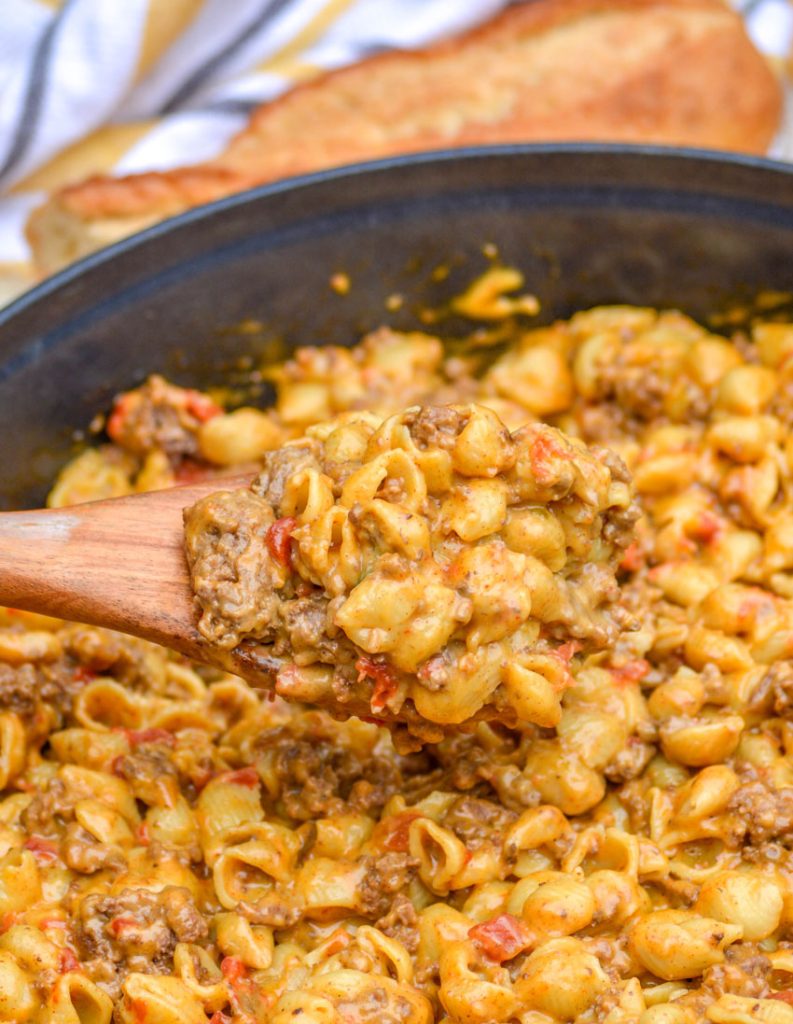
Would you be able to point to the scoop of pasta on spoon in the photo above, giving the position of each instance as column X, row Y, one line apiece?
column 423, row 571
column 429, row 570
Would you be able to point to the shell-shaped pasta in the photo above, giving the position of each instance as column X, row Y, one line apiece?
column 104, row 704
column 482, row 448
column 411, row 619
column 32, row 645
column 329, row 549
column 397, row 528
column 330, row 888
column 396, row 465
column 18, row 998
column 307, row 1007
column 32, row 949
column 394, row 1001
column 75, row 999
column 174, row 826
column 535, row 827
column 465, row 994
column 87, row 747
column 104, row 823
column 199, row 972
column 441, row 855
column 342, row 835
column 561, row 979
column 750, row 899
column 531, row 696
column 552, row 903
column 732, row 1009
column 674, row 944
column 468, row 685
column 236, row 936
column 13, row 743
column 247, row 870
column 707, row 794
column 308, row 494
column 158, row 999
column 239, row 436
column 562, row 777
column 184, row 682
column 537, row 532
column 20, row 881
column 483, row 864
column 12, row 806
column 439, row 924
column 492, row 577
column 347, row 436
column 617, row 895
column 178, row 716
column 537, row 377
column 393, row 958
column 487, row 900
column 475, row 509
column 224, row 804
column 86, row 784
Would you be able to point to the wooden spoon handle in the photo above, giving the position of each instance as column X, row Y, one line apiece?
column 120, row 564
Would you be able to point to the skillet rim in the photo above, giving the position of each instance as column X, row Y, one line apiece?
column 39, row 293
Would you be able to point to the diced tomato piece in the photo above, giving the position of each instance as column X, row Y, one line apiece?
column 219, row 1017
column 338, row 941
column 138, row 736
column 115, row 422
column 543, row 452
column 234, row 970
column 68, row 961
column 785, row 996
column 279, row 540
column 631, row 671
column 502, row 937
column 118, row 925
column 242, row 777
column 201, row 406
column 707, row 527
column 386, row 683
column 567, row 650
column 632, row 558
column 396, row 830
column 83, row 675
column 42, row 849
column 53, row 922
column 140, row 1010
column 144, row 837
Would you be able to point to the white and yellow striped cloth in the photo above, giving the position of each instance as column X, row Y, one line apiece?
column 119, row 86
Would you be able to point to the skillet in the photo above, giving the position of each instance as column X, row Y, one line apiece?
column 218, row 290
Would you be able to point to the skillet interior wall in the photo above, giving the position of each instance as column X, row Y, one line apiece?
column 586, row 224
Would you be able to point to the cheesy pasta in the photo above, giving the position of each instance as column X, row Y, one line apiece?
column 175, row 847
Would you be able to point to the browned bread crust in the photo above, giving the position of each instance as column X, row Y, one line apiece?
column 664, row 71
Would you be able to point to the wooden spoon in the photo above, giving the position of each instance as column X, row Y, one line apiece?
column 119, row 563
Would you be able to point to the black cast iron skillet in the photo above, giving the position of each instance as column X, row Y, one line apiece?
column 587, row 224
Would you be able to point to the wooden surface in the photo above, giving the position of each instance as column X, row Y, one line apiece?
column 120, row 564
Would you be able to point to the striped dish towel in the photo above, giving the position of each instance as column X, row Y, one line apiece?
column 120, row 86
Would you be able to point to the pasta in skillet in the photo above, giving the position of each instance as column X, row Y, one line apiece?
column 176, row 847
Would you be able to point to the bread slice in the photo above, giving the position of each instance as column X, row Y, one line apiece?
column 662, row 71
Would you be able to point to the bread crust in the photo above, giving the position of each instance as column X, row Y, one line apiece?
column 680, row 72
